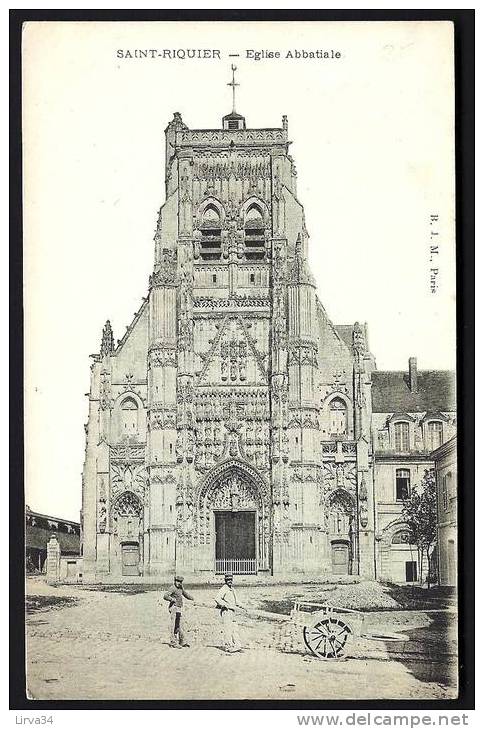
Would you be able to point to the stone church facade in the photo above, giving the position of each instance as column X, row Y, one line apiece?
column 234, row 426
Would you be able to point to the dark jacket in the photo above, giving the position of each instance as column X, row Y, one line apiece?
column 175, row 598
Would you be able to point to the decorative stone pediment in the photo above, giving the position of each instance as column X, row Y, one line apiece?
column 434, row 415
column 244, row 472
column 397, row 417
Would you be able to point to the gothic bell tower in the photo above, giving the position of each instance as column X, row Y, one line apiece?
column 230, row 297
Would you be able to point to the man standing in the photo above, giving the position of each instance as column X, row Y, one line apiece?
column 228, row 605
column 175, row 599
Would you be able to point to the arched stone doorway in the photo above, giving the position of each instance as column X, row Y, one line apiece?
column 127, row 534
column 340, row 524
column 233, row 521
column 399, row 557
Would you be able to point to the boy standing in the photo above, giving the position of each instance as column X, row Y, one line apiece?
column 175, row 599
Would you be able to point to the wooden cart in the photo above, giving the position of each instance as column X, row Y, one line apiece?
column 326, row 629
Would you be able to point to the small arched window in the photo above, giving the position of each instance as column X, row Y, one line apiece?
column 402, row 437
column 338, row 418
column 254, row 234
column 402, row 536
column 129, row 417
column 211, row 242
column 436, row 434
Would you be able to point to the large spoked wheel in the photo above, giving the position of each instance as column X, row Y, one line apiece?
column 327, row 638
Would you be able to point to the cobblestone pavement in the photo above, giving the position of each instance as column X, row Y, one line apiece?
column 114, row 645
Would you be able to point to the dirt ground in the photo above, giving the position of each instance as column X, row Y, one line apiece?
column 112, row 643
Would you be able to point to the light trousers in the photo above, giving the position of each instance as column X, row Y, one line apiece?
column 230, row 631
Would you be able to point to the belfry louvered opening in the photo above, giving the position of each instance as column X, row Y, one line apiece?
column 211, row 241
column 254, row 235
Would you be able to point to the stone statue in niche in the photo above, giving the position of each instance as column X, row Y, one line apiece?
column 224, row 355
column 242, row 360
column 102, row 516
column 285, row 445
column 179, row 446
column 190, row 446
column 359, row 344
column 225, row 244
column 233, row 445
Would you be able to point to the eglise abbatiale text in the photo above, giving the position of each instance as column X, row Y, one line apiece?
column 234, row 427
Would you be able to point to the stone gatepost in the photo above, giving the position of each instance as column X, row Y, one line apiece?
column 53, row 559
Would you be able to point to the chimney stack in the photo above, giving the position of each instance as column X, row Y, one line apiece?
column 412, row 374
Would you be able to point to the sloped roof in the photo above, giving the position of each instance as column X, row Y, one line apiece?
column 391, row 392
column 233, row 115
column 345, row 331
column 61, row 521
column 37, row 537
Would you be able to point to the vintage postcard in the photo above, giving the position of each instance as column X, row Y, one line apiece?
column 241, row 464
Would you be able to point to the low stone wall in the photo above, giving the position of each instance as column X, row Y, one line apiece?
column 70, row 569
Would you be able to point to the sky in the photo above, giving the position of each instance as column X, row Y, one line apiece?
column 372, row 138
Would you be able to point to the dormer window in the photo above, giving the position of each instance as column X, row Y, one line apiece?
column 402, row 437
column 211, row 240
column 436, row 434
column 254, row 234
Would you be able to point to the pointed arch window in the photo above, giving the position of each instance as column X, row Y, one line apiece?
column 129, row 417
column 338, row 417
column 254, row 234
column 211, row 229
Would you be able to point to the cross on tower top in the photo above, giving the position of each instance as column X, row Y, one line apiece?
column 233, row 84
column 233, row 121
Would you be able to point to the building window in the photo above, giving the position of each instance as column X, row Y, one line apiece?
column 403, row 484
column 402, row 437
column 445, row 491
column 252, row 278
column 337, row 417
column 129, row 416
column 436, row 434
column 401, row 537
column 214, row 278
